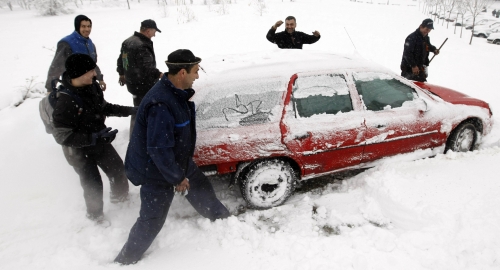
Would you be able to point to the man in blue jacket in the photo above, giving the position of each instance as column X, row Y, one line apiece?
column 160, row 156
column 76, row 42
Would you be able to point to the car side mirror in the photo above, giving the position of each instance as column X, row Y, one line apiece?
column 421, row 105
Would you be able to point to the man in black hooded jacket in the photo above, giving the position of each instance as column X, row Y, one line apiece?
column 136, row 64
column 85, row 139
column 416, row 52
column 290, row 39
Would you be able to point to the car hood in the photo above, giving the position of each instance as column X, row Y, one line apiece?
column 453, row 96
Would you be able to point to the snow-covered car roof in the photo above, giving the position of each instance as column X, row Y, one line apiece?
column 275, row 63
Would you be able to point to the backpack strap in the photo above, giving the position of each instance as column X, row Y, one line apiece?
column 63, row 90
column 76, row 97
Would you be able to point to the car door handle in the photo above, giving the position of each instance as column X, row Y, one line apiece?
column 380, row 126
column 303, row 136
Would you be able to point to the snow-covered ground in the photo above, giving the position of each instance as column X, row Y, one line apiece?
column 438, row 213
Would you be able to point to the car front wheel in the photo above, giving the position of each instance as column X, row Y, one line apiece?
column 463, row 138
column 482, row 35
column 497, row 42
column 268, row 183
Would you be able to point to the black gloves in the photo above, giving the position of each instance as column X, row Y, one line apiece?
column 104, row 136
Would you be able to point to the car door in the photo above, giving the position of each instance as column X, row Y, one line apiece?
column 395, row 116
column 323, row 127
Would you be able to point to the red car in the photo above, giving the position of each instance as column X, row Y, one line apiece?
column 272, row 119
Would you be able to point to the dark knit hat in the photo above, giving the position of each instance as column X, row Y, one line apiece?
column 78, row 64
column 182, row 57
column 78, row 20
column 428, row 23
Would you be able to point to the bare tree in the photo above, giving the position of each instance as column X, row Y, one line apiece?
column 475, row 7
column 6, row 2
column 461, row 8
column 450, row 5
column 260, row 6
column 51, row 7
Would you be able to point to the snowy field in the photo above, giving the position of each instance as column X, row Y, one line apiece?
column 437, row 213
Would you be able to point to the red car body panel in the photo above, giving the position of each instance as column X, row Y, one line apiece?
column 317, row 152
column 453, row 96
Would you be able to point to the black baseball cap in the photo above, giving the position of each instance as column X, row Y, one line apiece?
column 182, row 57
column 150, row 24
column 428, row 23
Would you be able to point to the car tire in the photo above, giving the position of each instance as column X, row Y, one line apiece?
column 497, row 42
column 482, row 35
column 463, row 138
column 267, row 183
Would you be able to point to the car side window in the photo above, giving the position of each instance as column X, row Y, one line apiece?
column 380, row 91
column 321, row 94
column 240, row 104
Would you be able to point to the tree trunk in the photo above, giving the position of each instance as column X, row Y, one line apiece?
column 472, row 30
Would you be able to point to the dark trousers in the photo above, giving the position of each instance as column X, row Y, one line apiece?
column 137, row 102
column 85, row 162
column 138, row 92
column 421, row 77
column 155, row 203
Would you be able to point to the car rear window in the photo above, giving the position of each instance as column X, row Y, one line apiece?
column 321, row 94
column 240, row 104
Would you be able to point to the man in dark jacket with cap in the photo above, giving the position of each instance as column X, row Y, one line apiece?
column 85, row 139
column 290, row 39
column 77, row 42
column 136, row 64
column 160, row 156
column 416, row 53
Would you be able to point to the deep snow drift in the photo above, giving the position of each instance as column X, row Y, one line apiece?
column 437, row 213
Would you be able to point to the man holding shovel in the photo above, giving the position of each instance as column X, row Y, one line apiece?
column 416, row 52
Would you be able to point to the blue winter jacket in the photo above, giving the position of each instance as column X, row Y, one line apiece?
column 162, row 144
column 79, row 44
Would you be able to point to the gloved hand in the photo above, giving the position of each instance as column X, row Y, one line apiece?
column 104, row 136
